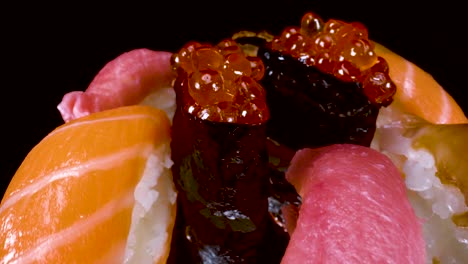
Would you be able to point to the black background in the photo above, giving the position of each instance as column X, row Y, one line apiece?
column 51, row 49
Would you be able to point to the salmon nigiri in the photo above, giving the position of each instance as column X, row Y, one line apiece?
column 96, row 189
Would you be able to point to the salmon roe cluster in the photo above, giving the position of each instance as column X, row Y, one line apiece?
column 340, row 49
column 222, row 82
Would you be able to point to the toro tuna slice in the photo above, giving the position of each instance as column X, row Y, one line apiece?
column 126, row 80
column 355, row 209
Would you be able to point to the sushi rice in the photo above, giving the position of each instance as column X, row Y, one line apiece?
column 434, row 203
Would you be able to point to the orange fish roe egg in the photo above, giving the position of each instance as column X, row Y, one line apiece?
column 235, row 66
column 207, row 86
column 341, row 49
column 205, row 58
column 183, row 58
column 311, row 24
column 257, row 67
column 221, row 83
column 228, row 46
column 379, row 86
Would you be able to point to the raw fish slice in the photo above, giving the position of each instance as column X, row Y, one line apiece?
column 354, row 210
column 124, row 81
column 95, row 190
column 418, row 93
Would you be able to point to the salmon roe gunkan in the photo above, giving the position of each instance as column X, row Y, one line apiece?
column 222, row 82
column 341, row 49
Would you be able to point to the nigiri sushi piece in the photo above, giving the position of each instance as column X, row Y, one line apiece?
column 97, row 189
column 354, row 209
column 435, row 166
column 140, row 76
column 418, row 93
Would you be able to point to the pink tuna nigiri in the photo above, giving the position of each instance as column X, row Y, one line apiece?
column 355, row 209
column 124, row 81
